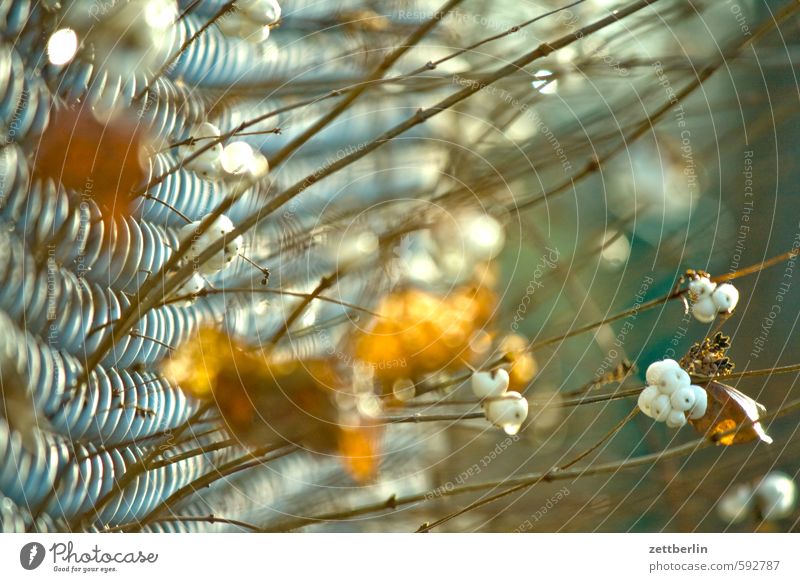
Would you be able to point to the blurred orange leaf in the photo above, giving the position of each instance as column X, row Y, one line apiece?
column 101, row 160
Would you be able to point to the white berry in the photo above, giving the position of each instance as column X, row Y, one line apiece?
column 194, row 285
column 736, row 504
column 646, row 398
column 508, row 411
column 661, row 408
column 488, row 384
column 482, row 236
column 704, row 310
column 262, row 11
column 701, row 287
column 700, row 402
column 673, row 379
column 207, row 164
column 259, row 167
column 776, row 496
column 725, row 298
column 404, row 389
column 682, row 399
column 676, row 419
column 237, row 25
column 657, row 369
column 237, row 157
column 220, row 227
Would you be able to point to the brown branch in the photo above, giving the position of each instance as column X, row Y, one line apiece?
column 250, row 460
column 647, row 124
column 155, row 287
column 354, row 94
column 394, row 502
column 131, row 472
column 212, row 519
column 227, row 7
column 268, row 290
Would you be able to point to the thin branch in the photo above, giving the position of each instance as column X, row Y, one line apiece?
column 521, row 487
column 206, row 292
column 417, row 418
column 227, row 7
column 661, row 300
column 250, row 460
column 647, row 124
column 394, row 502
column 148, row 196
column 202, row 450
column 351, row 96
column 324, row 283
column 145, row 299
column 787, row 256
column 212, row 519
column 155, row 287
column 561, row 473
column 355, row 86
column 132, row 472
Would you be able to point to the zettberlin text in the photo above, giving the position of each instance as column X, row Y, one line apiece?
column 673, row 549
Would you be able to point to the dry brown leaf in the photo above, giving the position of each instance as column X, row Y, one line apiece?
column 727, row 409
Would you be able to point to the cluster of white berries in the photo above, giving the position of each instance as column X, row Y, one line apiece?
column 710, row 299
column 774, row 497
column 670, row 395
column 251, row 20
column 236, row 158
column 506, row 410
column 220, row 227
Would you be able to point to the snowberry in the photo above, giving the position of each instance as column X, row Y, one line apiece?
column 682, row 399
column 488, row 384
column 262, row 11
column 698, row 410
column 657, row 369
column 404, row 389
column 673, row 379
column 676, row 419
column 704, row 310
column 736, row 504
column 776, row 496
column 251, row 20
column 463, row 239
column 701, row 287
column 237, row 157
column 62, row 46
column 220, row 227
column 670, row 395
column 193, row 286
column 508, row 411
column 238, row 25
column 482, row 236
column 206, row 164
column 646, row 398
column 725, row 298
column 259, row 166
column 661, row 407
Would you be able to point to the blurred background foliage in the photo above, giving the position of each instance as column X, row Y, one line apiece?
column 603, row 207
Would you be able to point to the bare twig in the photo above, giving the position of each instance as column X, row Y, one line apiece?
column 394, row 502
